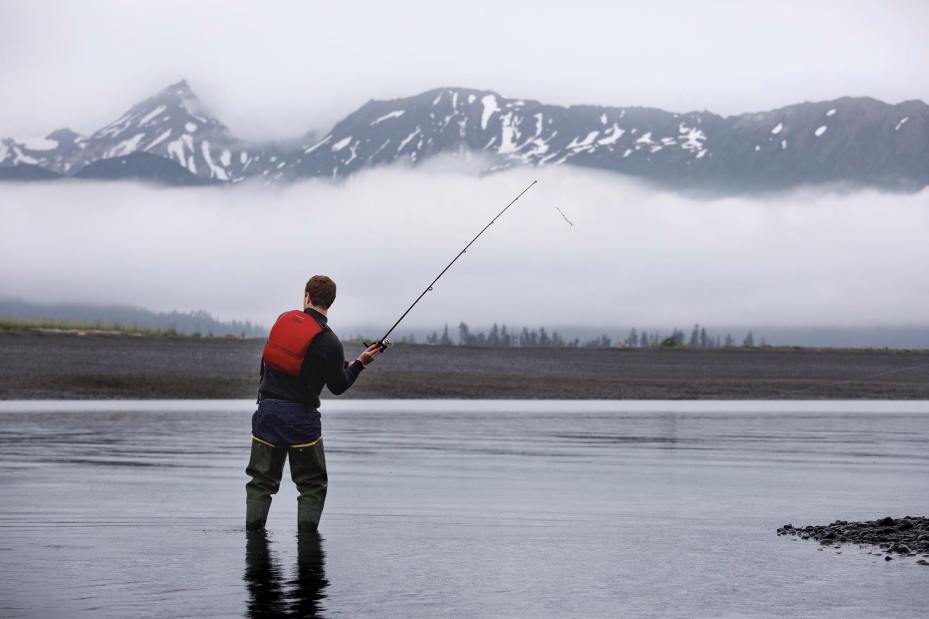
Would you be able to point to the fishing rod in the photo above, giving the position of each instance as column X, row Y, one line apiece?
column 384, row 342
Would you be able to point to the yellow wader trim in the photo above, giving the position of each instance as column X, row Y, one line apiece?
column 310, row 444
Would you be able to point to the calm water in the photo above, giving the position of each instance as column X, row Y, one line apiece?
column 437, row 508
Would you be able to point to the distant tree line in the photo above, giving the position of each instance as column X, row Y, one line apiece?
column 501, row 337
column 699, row 338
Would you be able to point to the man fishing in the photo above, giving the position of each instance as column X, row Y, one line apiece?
column 301, row 356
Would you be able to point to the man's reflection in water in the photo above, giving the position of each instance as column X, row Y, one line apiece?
column 309, row 587
column 268, row 596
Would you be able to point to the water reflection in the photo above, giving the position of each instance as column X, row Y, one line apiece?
column 269, row 594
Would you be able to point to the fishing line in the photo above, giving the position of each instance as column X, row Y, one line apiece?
column 846, row 380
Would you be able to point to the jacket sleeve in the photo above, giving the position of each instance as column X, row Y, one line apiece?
column 339, row 376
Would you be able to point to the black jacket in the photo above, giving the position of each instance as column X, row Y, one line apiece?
column 324, row 364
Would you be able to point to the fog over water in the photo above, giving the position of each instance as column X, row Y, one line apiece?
column 634, row 256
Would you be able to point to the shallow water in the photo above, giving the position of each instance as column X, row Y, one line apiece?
column 477, row 508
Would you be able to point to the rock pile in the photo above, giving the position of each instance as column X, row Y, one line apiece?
column 905, row 537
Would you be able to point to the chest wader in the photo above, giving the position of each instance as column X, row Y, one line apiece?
column 266, row 467
column 284, row 430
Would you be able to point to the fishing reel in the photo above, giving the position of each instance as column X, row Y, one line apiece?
column 382, row 344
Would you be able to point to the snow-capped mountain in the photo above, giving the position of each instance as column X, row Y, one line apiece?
column 173, row 124
column 856, row 140
column 512, row 131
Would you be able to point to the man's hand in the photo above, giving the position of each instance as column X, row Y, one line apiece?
column 370, row 353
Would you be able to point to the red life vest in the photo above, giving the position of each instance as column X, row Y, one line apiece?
column 290, row 337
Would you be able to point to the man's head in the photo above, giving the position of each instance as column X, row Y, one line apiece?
column 319, row 292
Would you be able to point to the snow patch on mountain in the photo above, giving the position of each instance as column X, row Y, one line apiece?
column 161, row 138
column 20, row 157
column 508, row 135
column 125, row 147
column 692, row 136
column 341, row 144
column 310, row 149
column 490, row 106
column 612, row 135
column 176, row 150
column 148, row 117
column 407, row 140
column 387, row 116
column 216, row 171
column 587, row 141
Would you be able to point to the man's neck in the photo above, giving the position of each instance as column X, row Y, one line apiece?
column 314, row 308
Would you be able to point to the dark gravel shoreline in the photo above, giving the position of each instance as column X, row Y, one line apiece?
column 903, row 537
column 67, row 366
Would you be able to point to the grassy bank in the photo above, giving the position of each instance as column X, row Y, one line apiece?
column 92, row 328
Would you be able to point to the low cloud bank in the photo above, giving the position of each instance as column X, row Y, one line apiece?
column 634, row 256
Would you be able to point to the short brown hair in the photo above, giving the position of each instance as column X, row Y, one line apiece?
column 321, row 290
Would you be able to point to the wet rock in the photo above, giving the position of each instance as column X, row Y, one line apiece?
column 907, row 536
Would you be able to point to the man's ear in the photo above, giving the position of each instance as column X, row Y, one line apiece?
column 306, row 298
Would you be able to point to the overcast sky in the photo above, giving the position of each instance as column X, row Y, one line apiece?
column 277, row 69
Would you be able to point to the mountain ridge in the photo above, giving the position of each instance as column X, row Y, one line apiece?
column 852, row 140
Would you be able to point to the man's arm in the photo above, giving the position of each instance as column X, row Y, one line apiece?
column 339, row 376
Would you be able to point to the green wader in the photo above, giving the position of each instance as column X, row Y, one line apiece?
column 266, row 467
